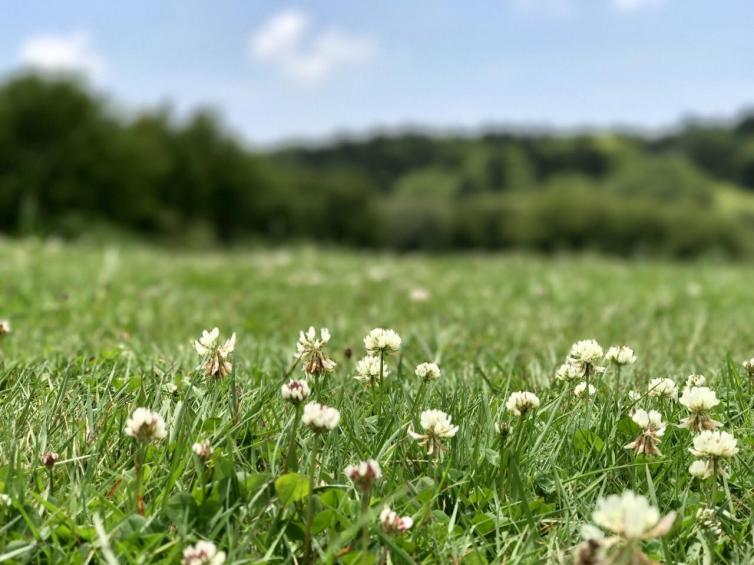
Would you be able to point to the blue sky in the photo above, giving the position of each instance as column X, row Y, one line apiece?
column 281, row 70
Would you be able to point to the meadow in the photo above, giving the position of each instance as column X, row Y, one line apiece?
column 98, row 331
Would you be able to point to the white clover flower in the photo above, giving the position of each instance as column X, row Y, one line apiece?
column 663, row 388
column 202, row 449
column 695, row 380
column 368, row 369
column 700, row 469
column 216, row 357
column 428, row 371
column 749, row 367
column 5, row 500
column 698, row 400
column 586, row 352
column 5, row 327
column 521, row 403
column 634, row 396
column 295, row 391
column 652, row 430
column 310, row 350
column 203, row 553
column 583, row 389
column 631, row 517
column 364, row 474
column 380, row 341
column 438, row 426
column 145, row 425
column 714, row 445
column 419, row 295
column 320, row 418
column 569, row 371
column 394, row 524
column 620, row 355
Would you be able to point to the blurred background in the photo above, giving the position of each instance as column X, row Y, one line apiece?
column 617, row 126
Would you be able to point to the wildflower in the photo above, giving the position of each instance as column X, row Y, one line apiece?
column 583, row 388
column 503, row 429
column 695, row 380
column 5, row 500
column 203, row 553
column 320, row 418
column 700, row 469
column 663, row 388
column 438, row 426
column 707, row 519
column 630, row 517
column 653, row 429
column 368, row 369
column 620, row 355
column 310, row 350
column 634, row 396
column 749, row 367
column 569, row 371
column 428, row 371
column 216, row 357
column 145, row 425
column 419, row 295
column 521, row 403
column 586, row 354
column 49, row 459
column 295, row 391
column 380, row 341
column 714, row 447
column 5, row 328
column 364, row 474
column 203, row 450
column 699, row 400
column 394, row 524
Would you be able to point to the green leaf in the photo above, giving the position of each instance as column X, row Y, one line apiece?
column 291, row 487
column 585, row 440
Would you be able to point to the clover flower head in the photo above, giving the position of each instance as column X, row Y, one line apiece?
column 216, row 357
column 49, row 459
column 634, row 396
column 631, row 517
column 419, row 295
column 364, row 474
column 620, row 355
column 700, row 469
column 203, row 553
column 583, row 389
column 310, row 349
column 368, row 369
column 663, row 388
column 428, row 371
column 695, row 380
column 320, row 418
column 652, row 430
column 570, row 370
column 5, row 500
column 586, row 352
column 295, row 391
column 5, row 327
column 714, row 445
column 202, row 449
column 394, row 524
column 698, row 400
column 437, row 426
column 522, row 402
column 145, row 425
column 748, row 366
column 380, row 341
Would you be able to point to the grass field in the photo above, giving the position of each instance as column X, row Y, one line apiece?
column 97, row 332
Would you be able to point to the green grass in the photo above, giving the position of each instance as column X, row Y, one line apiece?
column 100, row 331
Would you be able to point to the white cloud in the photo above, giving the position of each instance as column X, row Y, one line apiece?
column 287, row 43
column 66, row 53
column 635, row 5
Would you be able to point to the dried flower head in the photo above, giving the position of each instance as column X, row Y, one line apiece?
column 49, row 459
column 295, row 391
column 652, row 430
column 368, row 369
column 583, row 390
column 699, row 400
column 382, row 341
column 145, row 425
column 203, row 450
column 428, row 371
column 216, row 357
column 364, row 474
column 586, row 354
column 394, row 524
column 5, row 328
column 203, row 553
column 320, row 418
column 522, row 402
column 663, row 388
column 620, row 355
column 438, row 426
column 310, row 349
column 631, row 517
column 748, row 366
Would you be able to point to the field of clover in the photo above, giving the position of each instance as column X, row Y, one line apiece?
column 318, row 406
